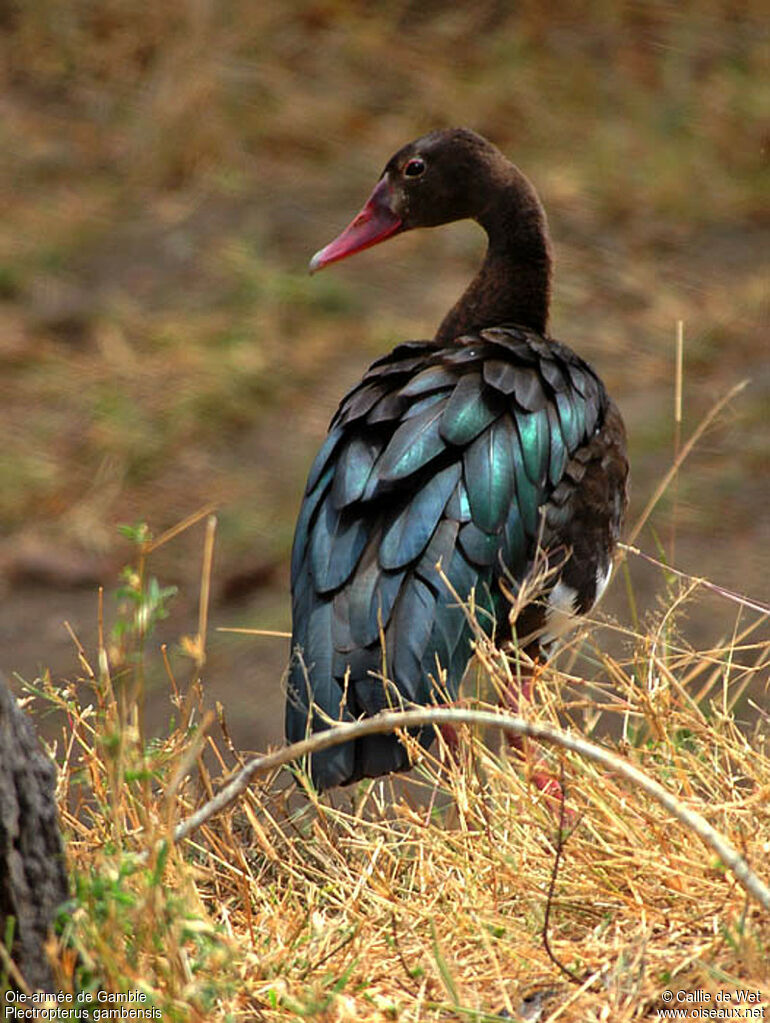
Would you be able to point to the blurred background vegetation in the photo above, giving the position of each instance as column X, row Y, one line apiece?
column 168, row 169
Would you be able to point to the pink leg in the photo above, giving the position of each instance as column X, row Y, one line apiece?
column 515, row 698
column 450, row 737
column 520, row 692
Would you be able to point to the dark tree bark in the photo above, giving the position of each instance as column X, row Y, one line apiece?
column 33, row 880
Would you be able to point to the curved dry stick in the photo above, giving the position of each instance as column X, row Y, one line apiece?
column 391, row 721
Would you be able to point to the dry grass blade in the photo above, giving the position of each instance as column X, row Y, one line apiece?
column 707, row 420
column 180, row 527
column 722, row 591
column 242, row 631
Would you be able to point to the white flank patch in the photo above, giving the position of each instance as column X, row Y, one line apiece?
column 560, row 613
column 602, row 578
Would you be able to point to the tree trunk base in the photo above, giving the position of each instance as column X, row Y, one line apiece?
column 33, row 880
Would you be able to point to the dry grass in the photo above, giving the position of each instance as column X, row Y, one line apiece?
column 423, row 899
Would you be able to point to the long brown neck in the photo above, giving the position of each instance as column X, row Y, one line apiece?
column 513, row 284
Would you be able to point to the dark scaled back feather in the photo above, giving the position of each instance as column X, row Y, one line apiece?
column 442, row 454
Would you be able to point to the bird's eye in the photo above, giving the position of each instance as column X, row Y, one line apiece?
column 414, row 168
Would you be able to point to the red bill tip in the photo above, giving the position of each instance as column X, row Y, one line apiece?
column 374, row 224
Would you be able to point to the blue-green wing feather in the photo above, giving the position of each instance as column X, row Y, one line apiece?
column 557, row 456
column 480, row 548
column 373, row 592
column 529, row 390
column 473, row 405
column 571, row 418
column 353, row 468
column 407, row 534
column 488, row 470
column 434, row 378
column 337, row 539
column 414, row 444
column 305, row 518
column 321, row 460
